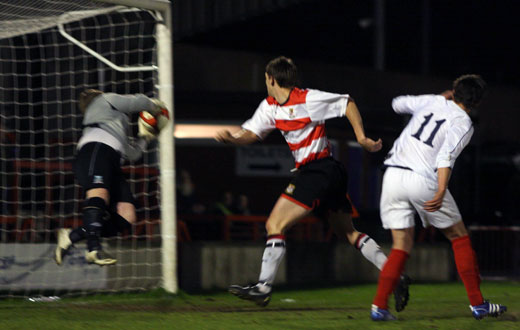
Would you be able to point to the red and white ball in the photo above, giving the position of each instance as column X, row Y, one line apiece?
column 149, row 121
column 154, row 124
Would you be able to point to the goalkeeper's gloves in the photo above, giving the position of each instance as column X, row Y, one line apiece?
column 160, row 106
column 162, row 119
column 161, row 113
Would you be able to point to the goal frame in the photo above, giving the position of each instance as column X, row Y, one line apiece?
column 164, row 33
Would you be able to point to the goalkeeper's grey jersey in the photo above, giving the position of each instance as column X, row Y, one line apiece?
column 110, row 112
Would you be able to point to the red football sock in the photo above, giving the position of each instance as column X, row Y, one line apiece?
column 467, row 266
column 389, row 277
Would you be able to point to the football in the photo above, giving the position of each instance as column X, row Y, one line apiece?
column 148, row 122
column 153, row 124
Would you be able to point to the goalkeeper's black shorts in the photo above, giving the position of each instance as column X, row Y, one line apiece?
column 321, row 186
column 97, row 165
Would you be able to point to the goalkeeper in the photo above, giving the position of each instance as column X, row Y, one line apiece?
column 109, row 203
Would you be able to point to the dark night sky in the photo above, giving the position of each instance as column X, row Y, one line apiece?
column 465, row 36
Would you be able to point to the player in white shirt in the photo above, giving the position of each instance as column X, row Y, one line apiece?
column 416, row 181
column 320, row 184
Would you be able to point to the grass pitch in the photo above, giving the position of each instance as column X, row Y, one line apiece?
column 431, row 306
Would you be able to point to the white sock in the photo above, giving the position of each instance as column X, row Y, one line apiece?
column 263, row 287
column 371, row 251
column 273, row 254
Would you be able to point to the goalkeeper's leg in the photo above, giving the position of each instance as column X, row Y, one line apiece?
column 93, row 214
column 125, row 216
column 116, row 223
column 119, row 220
column 63, row 236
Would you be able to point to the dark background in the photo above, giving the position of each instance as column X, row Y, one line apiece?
column 220, row 50
column 427, row 44
column 438, row 38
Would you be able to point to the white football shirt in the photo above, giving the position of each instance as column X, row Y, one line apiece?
column 434, row 137
column 301, row 120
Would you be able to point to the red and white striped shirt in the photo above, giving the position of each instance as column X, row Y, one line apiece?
column 301, row 120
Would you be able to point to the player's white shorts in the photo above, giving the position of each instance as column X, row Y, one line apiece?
column 404, row 193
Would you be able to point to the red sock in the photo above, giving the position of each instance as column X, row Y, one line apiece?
column 466, row 261
column 389, row 277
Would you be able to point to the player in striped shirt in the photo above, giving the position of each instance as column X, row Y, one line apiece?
column 416, row 181
column 320, row 183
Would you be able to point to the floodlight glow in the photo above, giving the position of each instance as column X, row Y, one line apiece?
column 201, row 131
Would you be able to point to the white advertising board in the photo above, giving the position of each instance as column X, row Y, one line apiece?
column 31, row 266
column 264, row 160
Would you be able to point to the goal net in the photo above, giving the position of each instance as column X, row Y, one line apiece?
column 42, row 72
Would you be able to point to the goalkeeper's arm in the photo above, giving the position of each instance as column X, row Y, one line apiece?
column 146, row 134
column 135, row 151
column 135, row 103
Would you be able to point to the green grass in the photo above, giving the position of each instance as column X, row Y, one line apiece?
column 432, row 306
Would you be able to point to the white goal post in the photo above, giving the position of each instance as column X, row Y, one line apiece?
column 167, row 160
column 32, row 178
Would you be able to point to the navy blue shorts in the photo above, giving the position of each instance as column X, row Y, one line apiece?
column 321, row 186
column 97, row 165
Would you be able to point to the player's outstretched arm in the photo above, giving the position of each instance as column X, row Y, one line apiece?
column 443, row 176
column 243, row 136
column 354, row 117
